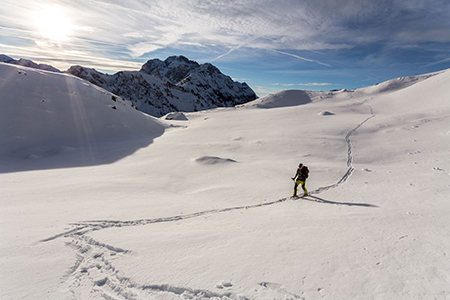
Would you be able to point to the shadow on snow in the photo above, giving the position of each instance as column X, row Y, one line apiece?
column 321, row 200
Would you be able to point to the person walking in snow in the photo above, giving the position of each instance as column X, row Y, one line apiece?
column 300, row 179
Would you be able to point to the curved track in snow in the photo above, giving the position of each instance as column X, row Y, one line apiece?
column 93, row 275
column 349, row 156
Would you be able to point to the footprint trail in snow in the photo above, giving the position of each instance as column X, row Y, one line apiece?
column 94, row 276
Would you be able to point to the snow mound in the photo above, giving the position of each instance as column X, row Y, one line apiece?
column 45, row 113
column 178, row 116
column 282, row 99
column 326, row 113
column 213, row 160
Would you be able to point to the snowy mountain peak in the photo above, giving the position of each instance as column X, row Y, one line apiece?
column 176, row 84
column 160, row 87
column 179, row 59
column 173, row 69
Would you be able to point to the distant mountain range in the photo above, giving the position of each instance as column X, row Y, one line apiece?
column 27, row 63
column 161, row 87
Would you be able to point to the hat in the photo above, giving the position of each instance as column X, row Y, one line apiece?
column 300, row 165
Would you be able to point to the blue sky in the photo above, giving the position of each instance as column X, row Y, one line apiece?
column 270, row 44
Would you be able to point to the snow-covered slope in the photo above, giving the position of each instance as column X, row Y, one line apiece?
column 176, row 84
column 203, row 211
column 47, row 114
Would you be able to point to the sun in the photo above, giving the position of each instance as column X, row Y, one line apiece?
column 53, row 24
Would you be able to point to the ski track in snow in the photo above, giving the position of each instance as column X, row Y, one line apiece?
column 93, row 275
column 349, row 156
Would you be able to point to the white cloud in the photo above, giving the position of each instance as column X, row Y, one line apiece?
column 142, row 28
column 132, row 28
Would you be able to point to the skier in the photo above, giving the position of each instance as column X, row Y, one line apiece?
column 300, row 178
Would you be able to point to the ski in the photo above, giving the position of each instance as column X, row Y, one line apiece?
column 297, row 197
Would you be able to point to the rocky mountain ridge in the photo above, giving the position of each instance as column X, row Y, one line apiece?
column 161, row 87
column 176, row 84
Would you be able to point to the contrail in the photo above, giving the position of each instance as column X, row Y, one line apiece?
column 299, row 57
column 236, row 48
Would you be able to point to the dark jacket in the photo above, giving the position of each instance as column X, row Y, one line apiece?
column 302, row 174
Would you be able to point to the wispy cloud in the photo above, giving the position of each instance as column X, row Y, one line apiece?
column 437, row 62
column 291, row 24
column 132, row 30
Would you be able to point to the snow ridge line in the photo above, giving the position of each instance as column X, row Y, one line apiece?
column 349, row 156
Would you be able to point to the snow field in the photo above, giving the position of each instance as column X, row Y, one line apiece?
column 203, row 210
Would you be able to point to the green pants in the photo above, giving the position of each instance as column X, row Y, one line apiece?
column 303, row 183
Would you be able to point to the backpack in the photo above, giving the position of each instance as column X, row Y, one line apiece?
column 305, row 171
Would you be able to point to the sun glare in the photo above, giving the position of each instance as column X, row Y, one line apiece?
column 53, row 24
